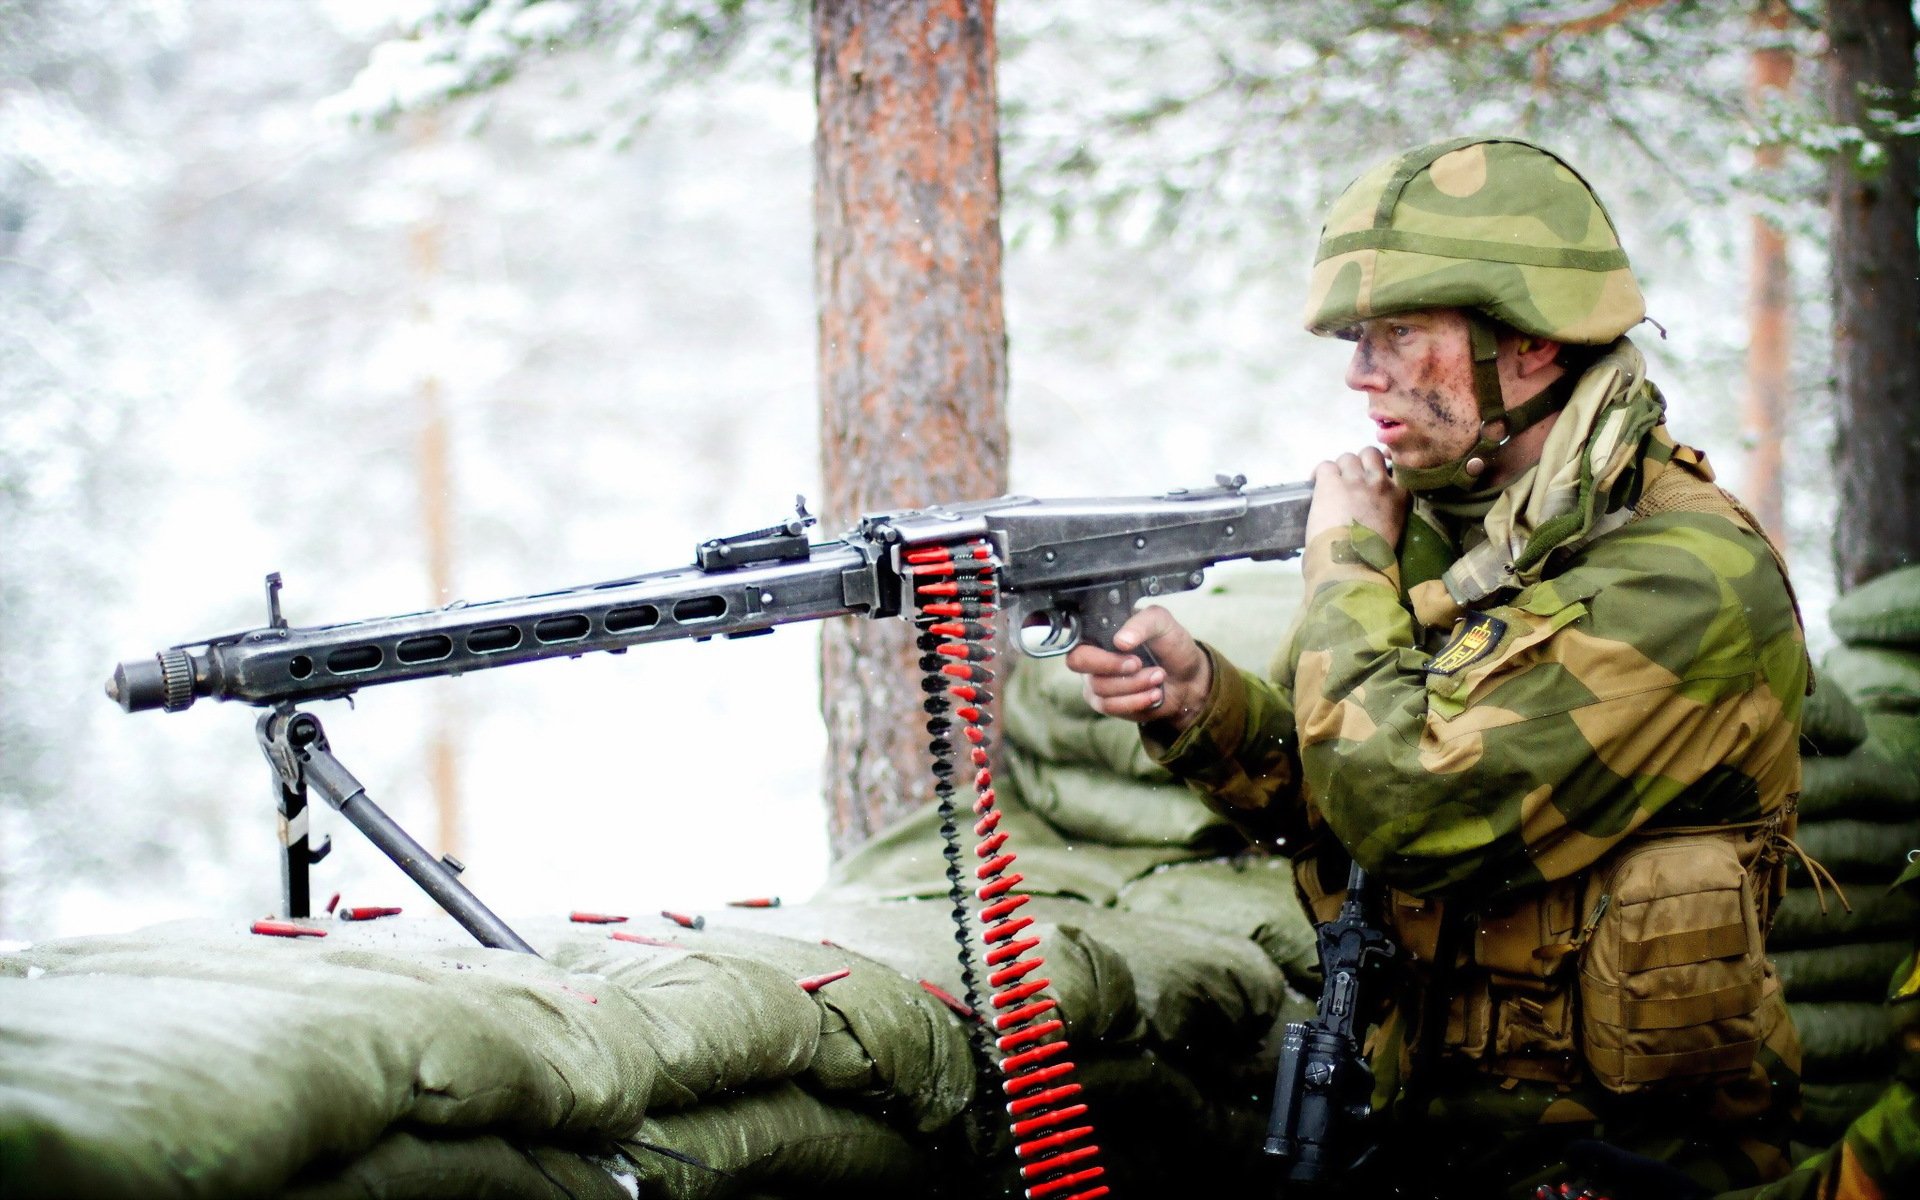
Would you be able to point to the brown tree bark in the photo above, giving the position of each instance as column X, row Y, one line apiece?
column 436, row 517
column 1876, row 296
column 1769, row 304
column 912, row 339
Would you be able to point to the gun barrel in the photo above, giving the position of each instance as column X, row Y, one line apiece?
column 143, row 683
column 279, row 664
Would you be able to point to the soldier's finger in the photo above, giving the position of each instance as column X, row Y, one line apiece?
column 1089, row 659
column 1155, row 628
column 1113, row 687
column 1140, row 706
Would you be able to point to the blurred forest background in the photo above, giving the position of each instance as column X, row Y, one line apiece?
column 418, row 300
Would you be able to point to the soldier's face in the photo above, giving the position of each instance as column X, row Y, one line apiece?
column 1416, row 372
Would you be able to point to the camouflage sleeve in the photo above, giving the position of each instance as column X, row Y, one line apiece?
column 1878, row 1158
column 1239, row 754
column 1663, row 667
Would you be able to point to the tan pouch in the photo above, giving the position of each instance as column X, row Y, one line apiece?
column 1524, row 947
column 1672, row 973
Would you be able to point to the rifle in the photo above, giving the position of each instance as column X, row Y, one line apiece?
column 1069, row 570
column 1323, row 1090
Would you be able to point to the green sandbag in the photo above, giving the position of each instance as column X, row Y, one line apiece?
column 882, row 1036
column 1093, row 804
column 1205, row 995
column 1092, row 984
column 772, row 1140
column 693, row 1007
column 149, row 1086
column 905, row 862
column 1898, row 736
column 1876, row 916
column 1877, row 677
column 406, row 1165
column 1197, row 990
column 1251, row 896
column 1867, row 783
column 212, row 1062
column 1830, row 721
column 1851, row 972
column 1885, row 610
column 1872, row 853
column 1828, row 1108
column 1843, row 1039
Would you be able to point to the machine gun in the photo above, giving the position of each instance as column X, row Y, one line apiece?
column 1068, row 570
column 1323, row 1090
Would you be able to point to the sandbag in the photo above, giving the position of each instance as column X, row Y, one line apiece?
column 1094, row 804
column 1828, row 1108
column 150, row 1086
column 882, row 1035
column 1885, row 610
column 1877, row 915
column 1250, row 896
column 405, row 1165
column 904, row 861
column 1867, row 783
column 1871, row 853
column 1843, row 1039
column 1898, row 736
column 1877, row 677
column 1858, row 971
column 216, row 1063
column 1204, row 995
column 1830, row 721
column 694, row 1005
column 773, row 1140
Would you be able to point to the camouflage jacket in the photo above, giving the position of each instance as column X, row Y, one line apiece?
column 1654, row 673
column 1646, row 675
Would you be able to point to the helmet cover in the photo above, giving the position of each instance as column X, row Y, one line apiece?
column 1495, row 225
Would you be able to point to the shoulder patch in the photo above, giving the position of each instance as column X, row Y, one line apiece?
column 1473, row 639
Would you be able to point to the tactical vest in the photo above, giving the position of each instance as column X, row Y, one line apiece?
column 1647, row 971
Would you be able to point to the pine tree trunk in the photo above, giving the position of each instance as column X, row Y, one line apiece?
column 1769, row 304
column 436, row 516
column 1876, row 298
column 912, row 339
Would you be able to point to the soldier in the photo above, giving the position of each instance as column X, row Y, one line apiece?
column 1546, row 684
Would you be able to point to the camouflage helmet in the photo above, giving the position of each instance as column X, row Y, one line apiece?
column 1493, row 225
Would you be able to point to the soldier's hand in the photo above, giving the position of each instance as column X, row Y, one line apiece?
column 1120, row 683
column 1357, row 487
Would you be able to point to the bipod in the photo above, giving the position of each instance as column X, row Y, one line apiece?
column 296, row 747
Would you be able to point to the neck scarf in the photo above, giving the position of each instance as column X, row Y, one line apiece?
column 1575, row 493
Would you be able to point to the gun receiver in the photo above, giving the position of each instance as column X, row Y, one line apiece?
column 1070, row 570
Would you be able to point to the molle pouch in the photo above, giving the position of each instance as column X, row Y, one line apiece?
column 1673, row 967
column 1523, row 947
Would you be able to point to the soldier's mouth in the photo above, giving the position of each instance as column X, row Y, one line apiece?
column 1387, row 430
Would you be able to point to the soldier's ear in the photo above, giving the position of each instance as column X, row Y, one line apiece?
column 1534, row 353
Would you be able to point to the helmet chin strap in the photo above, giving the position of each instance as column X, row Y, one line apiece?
column 1464, row 473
